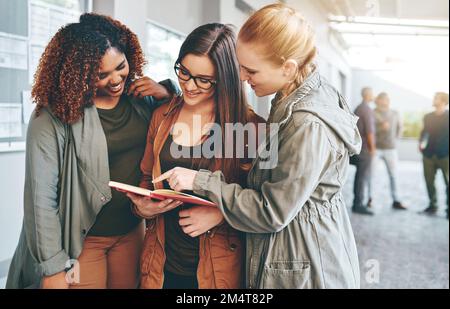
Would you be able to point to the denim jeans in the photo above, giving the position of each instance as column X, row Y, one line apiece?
column 390, row 159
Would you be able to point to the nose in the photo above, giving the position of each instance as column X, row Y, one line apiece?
column 190, row 85
column 116, row 79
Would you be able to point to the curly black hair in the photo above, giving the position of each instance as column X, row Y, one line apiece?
column 69, row 68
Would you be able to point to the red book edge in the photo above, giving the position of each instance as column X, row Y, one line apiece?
column 161, row 196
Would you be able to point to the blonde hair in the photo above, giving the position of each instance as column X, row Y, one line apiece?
column 443, row 97
column 284, row 34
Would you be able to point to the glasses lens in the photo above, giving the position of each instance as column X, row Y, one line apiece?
column 182, row 74
column 204, row 83
column 201, row 83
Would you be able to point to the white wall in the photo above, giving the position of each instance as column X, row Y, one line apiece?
column 180, row 15
column 120, row 10
column 135, row 21
column 12, row 175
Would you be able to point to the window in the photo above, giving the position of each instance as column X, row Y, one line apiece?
column 26, row 27
column 163, row 46
column 45, row 18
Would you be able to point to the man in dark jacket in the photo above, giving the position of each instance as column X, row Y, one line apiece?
column 366, row 126
column 435, row 148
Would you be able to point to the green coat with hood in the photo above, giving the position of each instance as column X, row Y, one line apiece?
column 298, row 231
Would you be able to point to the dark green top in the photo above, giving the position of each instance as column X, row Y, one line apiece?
column 182, row 251
column 125, row 132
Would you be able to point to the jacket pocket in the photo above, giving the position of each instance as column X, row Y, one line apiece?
column 286, row 275
column 148, row 250
column 227, row 259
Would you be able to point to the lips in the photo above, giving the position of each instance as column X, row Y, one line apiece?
column 191, row 94
column 115, row 88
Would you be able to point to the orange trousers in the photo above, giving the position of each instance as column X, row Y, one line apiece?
column 110, row 262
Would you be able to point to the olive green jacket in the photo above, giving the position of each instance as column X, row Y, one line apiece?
column 298, row 231
column 66, row 185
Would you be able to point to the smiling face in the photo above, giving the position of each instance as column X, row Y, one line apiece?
column 263, row 76
column 202, row 68
column 114, row 70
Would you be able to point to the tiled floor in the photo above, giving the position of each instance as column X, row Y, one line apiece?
column 411, row 249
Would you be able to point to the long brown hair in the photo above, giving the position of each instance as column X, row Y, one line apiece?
column 69, row 68
column 218, row 42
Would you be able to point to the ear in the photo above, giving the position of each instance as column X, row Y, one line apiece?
column 290, row 68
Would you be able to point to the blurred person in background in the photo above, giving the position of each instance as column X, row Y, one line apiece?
column 388, row 128
column 366, row 127
column 434, row 147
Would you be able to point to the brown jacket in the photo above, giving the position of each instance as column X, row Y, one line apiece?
column 221, row 250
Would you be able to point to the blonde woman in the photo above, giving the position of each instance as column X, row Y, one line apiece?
column 299, row 234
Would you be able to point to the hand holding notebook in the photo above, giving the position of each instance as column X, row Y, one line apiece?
column 161, row 194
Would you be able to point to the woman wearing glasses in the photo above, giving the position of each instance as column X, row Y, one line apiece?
column 298, row 231
column 175, row 254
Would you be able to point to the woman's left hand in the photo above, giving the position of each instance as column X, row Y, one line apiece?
column 179, row 178
column 147, row 87
column 199, row 220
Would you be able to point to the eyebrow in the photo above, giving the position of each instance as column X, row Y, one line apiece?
column 200, row 75
column 122, row 63
column 248, row 69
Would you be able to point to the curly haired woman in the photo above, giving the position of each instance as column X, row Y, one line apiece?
column 89, row 126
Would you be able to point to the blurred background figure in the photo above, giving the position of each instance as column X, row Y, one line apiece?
column 366, row 126
column 388, row 128
column 435, row 149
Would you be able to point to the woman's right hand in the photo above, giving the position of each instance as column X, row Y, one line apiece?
column 146, row 86
column 57, row 281
column 148, row 208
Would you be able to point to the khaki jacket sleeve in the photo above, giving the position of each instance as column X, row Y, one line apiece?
column 303, row 157
column 41, row 204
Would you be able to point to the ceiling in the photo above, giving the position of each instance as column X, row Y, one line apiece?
column 389, row 34
column 403, row 9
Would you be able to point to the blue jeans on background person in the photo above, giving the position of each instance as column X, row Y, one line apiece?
column 390, row 159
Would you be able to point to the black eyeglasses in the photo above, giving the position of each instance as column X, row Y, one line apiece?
column 201, row 82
